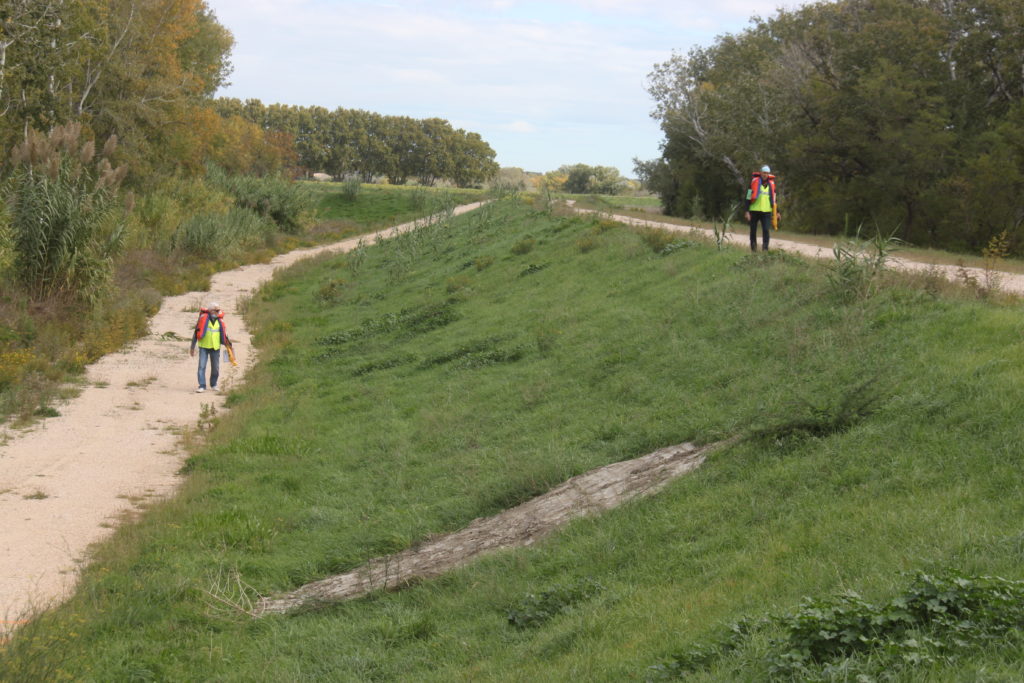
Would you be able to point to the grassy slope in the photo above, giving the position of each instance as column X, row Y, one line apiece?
column 380, row 206
column 325, row 462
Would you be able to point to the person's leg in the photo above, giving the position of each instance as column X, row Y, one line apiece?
column 202, row 368
column 214, row 367
column 753, row 230
column 766, row 229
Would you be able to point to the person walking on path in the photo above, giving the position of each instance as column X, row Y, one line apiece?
column 209, row 335
column 761, row 206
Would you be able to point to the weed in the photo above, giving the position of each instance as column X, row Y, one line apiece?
column 467, row 349
column 533, row 269
column 722, row 233
column 482, row 262
column 356, row 257
column 938, row 618
column 676, row 246
column 37, row 495
column 207, row 417
column 662, row 241
column 831, row 416
column 587, row 243
column 350, row 189
column 536, row 609
column 853, row 275
column 524, row 246
column 46, row 411
column 456, row 283
column 384, row 364
column 418, row 198
column 331, row 291
column 545, row 339
column 410, row 320
column 993, row 255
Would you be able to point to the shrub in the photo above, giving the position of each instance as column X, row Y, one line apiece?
column 535, row 609
column 163, row 210
column 286, row 203
column 587, row 243
column 212, row 235
column 67, row 224
column 858, row 263
column 524, row 246
column 657, row 239
column 350, row 189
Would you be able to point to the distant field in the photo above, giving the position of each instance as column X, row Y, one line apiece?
column 379, row 206
column 409, row 388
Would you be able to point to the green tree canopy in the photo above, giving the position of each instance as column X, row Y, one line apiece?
column 900, row 113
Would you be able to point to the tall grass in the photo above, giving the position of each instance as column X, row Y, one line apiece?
column 402, row 407
column 213, row 235
column 66, row 221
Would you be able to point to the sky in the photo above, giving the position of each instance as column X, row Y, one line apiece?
column 544, row 83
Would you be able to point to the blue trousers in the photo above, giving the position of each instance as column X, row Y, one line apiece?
column 214, row 358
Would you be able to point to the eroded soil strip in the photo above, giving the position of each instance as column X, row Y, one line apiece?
column 66, row 482
column 587, row 494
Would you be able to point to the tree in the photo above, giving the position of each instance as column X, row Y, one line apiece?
column 884, row 112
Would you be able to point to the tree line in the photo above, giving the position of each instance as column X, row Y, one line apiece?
column 363, row 144
column 900, row 115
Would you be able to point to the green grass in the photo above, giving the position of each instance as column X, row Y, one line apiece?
column 401, row 407
column 379, row 206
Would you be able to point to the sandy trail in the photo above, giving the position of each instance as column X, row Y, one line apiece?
column 67, row 481
column 739, row 237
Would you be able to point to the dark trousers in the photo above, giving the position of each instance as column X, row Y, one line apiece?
column 765, row 219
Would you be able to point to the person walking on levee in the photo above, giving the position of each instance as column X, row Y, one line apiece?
column 762, row 207
column 209, row 335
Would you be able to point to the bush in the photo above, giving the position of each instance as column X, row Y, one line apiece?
column 524, row 246
column 212, row 235
column 162, row 211
column 287, row 203
column 657, row 239
column 350, row 189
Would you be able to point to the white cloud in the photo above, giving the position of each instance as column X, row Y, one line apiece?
column 520, row 127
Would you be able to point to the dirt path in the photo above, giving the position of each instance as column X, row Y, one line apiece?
column 739, row 238
column 67, row 481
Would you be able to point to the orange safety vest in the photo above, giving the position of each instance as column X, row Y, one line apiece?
column 755, row 189
column 204, row 320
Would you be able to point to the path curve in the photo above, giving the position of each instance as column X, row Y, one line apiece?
column 1008, row 282
column 67, row 481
